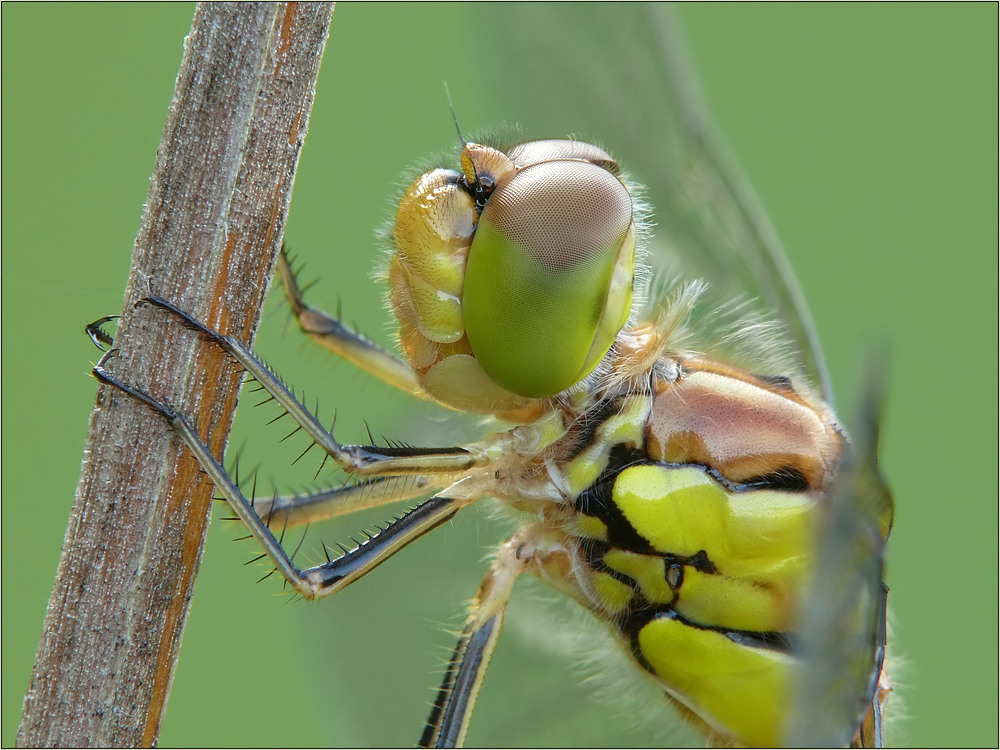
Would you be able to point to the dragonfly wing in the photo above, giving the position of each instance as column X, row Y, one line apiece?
column 619, row 75
column 841, row 684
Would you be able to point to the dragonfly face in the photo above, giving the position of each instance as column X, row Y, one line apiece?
column 512, row 278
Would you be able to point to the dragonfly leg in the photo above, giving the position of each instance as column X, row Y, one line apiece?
column 101, row 338
column 320, row 580
column 330, row 333
column 531, row 549
column 366, row 460
column 294, row 510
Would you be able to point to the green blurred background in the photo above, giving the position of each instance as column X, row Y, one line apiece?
column 870, row 133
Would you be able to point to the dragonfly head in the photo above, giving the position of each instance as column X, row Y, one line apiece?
column 540, row 245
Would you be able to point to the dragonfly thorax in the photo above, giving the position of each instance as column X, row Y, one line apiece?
column 695, row 544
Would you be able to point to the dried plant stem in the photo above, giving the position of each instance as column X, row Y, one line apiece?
column 208, row 238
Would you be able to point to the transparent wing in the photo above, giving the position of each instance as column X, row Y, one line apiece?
column 619, row 75
column 841, row 682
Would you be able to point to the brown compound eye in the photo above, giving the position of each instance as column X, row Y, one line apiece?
column 549, row 279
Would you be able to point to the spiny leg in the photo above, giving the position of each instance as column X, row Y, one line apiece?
column 101, row 338
column 331, row 334
column 449, row 719
column 320, row 580
column 294, row 510
column 366, row 460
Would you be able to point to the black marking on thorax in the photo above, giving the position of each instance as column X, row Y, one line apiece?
column 598, row 500
column 590, row 422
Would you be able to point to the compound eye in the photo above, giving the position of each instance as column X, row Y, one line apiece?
column 548, row 283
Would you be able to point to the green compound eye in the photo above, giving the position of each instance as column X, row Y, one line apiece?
column 548, row 283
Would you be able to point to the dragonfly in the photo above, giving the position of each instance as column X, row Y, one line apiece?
column 616, row 455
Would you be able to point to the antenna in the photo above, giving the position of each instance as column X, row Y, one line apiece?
column 454, row 117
